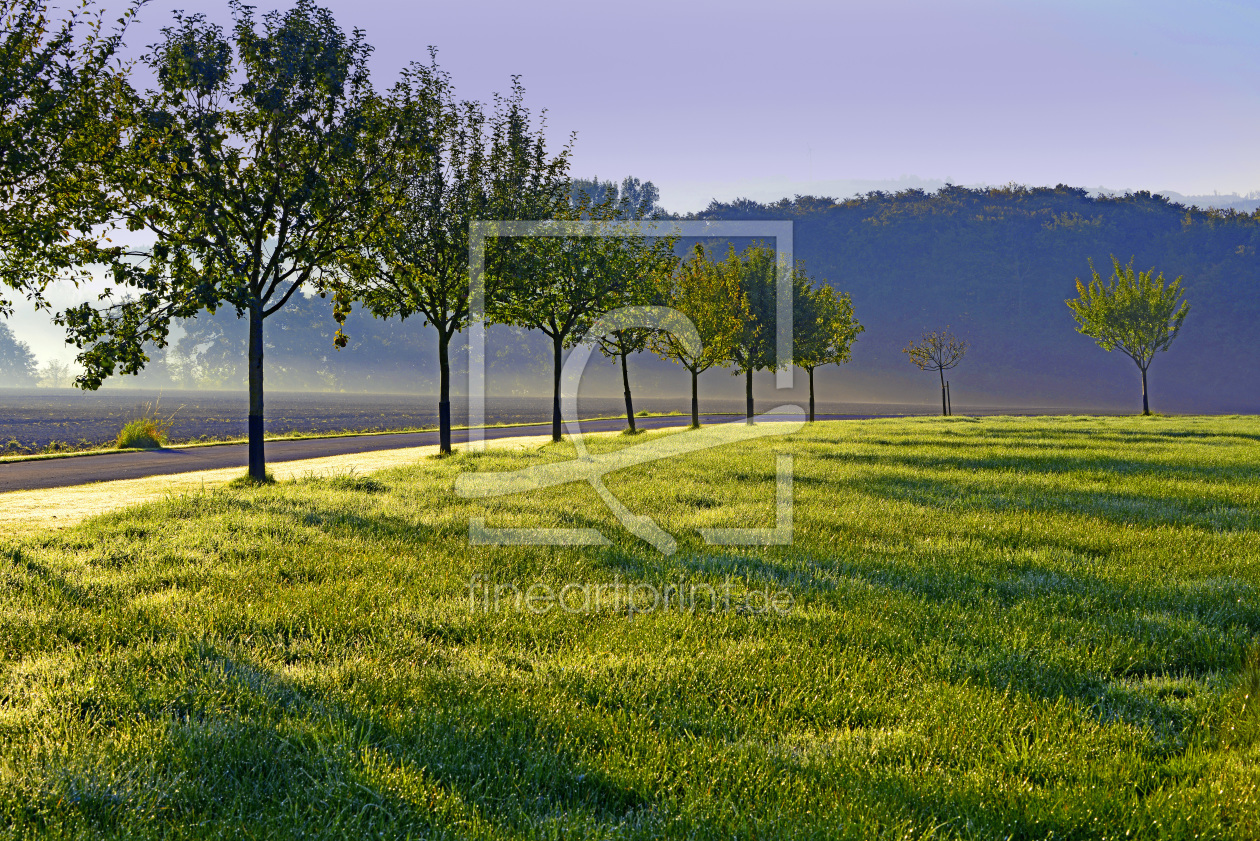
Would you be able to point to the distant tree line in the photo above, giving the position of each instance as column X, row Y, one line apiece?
column 996, row 264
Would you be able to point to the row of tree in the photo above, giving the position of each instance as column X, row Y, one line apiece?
column 263, row 165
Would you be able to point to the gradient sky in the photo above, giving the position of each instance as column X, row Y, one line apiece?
column 721, row 100
column 713, row 99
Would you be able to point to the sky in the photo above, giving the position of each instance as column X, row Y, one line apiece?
column 763, row 100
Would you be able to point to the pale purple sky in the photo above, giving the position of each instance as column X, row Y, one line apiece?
column 764, row 100
column 713, row 99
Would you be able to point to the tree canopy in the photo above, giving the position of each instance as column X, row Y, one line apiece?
column 255, row 168
column 939, row 352
column 1134, row 313
column 474, row 166
column 824, row 327
column 58, row 94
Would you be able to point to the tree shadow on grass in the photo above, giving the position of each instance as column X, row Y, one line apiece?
column 1047, row 458
column 1213, row 511
column 242, row 750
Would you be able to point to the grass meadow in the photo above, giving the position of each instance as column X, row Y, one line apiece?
column 994, row 628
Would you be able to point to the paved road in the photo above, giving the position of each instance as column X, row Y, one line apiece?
column 80, row 470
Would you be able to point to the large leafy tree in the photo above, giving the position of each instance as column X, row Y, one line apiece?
column 476, row 165
column 939, row 352
column 714, row 304
column 254, row 167
column 1134, row 313
column 17, row 364
column 824, row 326
column 58, row 89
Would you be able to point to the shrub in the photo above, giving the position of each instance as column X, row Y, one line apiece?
column 141, row 433
column 148, row 430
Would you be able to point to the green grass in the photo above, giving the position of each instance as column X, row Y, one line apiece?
column 1000, row 628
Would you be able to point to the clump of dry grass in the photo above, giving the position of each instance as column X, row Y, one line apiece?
column 149, row 430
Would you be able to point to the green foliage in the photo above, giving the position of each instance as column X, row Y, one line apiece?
column 469, row 166
column 255, row 165
column 18, row 366
column 249, row 480
column 139, row 433
column 823, row 322
column 1134, row 313
column 58, row 88
column 754, row 270
column 1001, row 628
column 713, row 302
column 562, row 284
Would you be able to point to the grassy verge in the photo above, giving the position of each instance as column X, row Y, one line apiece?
column 1007, row 627
column 60, row 449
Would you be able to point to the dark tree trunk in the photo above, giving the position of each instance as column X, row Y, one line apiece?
column 695, row 399
column 558, row 346
column 1146, row 404
column 625, row 382
column 944, row 406
column 949, row 400
column 748, row 392
column 811, row 394
column 444, row 392
column 257, row 463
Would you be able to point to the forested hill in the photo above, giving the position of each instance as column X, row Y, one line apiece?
column 997, row 264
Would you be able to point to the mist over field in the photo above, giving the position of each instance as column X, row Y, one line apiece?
column 994, row 264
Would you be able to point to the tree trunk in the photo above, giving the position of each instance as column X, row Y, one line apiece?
column 257, row 462
column 944, row 406
column 748, row 392
column 557, row 344
column 949, row 400
column 1146, row 405
column 811, row 394
column 625, row 382
column 444, row 392
column 695, row 399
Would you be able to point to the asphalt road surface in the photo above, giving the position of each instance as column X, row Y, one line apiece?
column 81, row 470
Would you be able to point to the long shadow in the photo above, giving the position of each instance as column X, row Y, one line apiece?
column 954, row 491
column 280, row 760
column 1062, row 461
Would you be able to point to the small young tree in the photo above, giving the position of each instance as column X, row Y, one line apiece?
column 1134, row 313
column 714, row 303
column 641, row 290
column 559, row 285
column 255, row 167
column 753, row 347
column 475, row 166
column 937, row 352
column 824, row 325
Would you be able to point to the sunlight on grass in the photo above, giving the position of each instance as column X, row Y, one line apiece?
column 1009, row 627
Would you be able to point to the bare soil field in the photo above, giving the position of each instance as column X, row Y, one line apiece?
column 33, row 420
